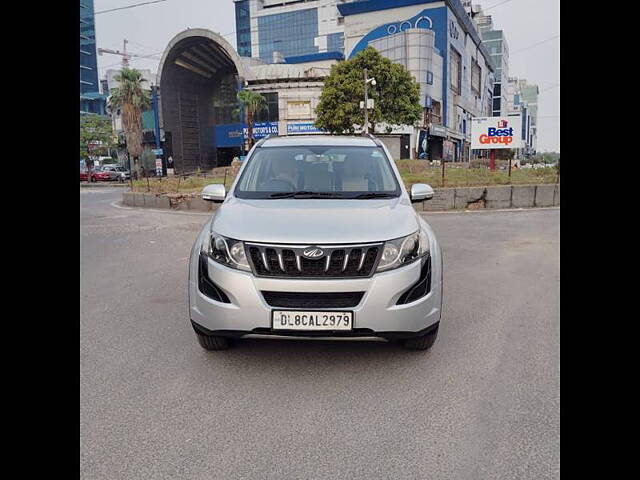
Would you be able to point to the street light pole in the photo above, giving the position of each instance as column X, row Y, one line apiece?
column 366, row 99
column 366, row 102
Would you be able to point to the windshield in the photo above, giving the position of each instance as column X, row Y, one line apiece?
column 318, row 172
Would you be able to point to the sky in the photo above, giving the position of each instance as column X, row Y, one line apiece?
column 525, row 23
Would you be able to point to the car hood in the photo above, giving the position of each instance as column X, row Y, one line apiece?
column 315, row 221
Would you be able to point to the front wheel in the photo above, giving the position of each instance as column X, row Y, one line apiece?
column 211, row 342
column 423, row 342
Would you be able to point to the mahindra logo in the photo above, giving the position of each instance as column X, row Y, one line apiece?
column 312, row 252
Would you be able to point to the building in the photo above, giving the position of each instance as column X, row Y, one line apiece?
column 280, row 30
column 286, row 49
column 496, row 43
column 523, row 99
column 91, row 100
column 440, row 45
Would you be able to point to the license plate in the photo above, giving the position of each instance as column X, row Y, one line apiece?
column 311, row 320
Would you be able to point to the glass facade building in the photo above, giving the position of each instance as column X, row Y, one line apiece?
column 88, row 60
column 295, row 29
column 243, row 28
column 290, row 33
column 91, row 100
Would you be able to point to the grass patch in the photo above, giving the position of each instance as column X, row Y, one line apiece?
column 412, row 171
column 177, row 184
column 416, row 171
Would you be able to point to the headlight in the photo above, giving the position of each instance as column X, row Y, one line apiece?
column 226, row 251
column 402, row 251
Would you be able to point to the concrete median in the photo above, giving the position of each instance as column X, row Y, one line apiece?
column 544, row 195
column 459, row 198
column 523, row 196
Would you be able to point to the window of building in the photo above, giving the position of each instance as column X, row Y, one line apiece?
column 455, row 71
column 496, row 104
column 476, row 77
column 290, row 33
column 497, row 88
column 429, row 78
column 335, row 42
column 271, row 113
column 435, row 115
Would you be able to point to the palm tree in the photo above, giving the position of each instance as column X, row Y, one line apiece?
column 253, row 103
column 133, row 98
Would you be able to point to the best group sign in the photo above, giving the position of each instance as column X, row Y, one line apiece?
column 496, row 132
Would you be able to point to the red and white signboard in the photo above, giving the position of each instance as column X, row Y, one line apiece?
column 496, row 132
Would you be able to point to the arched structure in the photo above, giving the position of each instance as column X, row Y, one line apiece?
column 199, row 75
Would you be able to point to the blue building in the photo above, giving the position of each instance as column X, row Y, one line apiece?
column 91, row 100
column 442, row 48
column 278, row 31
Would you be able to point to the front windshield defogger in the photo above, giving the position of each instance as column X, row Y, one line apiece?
column 318, row 172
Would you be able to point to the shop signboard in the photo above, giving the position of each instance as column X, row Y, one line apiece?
column 302, row 127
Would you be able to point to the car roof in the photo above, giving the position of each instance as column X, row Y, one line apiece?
column 318, row 140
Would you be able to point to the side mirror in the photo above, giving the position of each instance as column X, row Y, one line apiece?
column 420, row 192
column 214, row 193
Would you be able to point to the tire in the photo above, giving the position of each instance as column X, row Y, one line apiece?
column 423, row 342
column 94, row 179
column 213, row 342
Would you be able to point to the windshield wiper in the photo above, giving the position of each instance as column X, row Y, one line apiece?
column 302, row 194
column 375, row 195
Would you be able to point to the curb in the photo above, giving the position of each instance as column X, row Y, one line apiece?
column 104, row 185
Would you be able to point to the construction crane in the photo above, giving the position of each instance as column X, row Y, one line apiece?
column 124, row 54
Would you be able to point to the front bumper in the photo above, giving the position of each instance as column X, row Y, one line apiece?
column 376, row 315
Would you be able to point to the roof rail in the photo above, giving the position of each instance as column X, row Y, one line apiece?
column 375, row 139
column 262, row 140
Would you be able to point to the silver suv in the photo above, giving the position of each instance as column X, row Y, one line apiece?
column 317, row 237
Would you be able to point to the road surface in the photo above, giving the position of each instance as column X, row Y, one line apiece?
column 482, row 404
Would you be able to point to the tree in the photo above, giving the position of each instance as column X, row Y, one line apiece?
column 253, row 102
column 96, row 137
column 396, row 94
column 132, row 98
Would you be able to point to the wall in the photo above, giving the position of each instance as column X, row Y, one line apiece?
column 393, row 145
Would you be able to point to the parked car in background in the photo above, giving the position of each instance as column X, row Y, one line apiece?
column 123, row 173
column 83, row 176
column 101, row 175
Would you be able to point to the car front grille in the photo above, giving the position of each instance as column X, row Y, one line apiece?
column 312, row 299
column 336, row 261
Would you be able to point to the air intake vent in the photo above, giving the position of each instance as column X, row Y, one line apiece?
column 206, row 286
column 313, row 300
column 421, row 287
